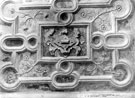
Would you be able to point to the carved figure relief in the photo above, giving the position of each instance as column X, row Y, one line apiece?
column 63, row 41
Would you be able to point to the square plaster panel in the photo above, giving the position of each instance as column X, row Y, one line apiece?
column 67, row 48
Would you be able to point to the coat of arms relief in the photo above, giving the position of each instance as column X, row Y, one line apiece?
column 78, row 45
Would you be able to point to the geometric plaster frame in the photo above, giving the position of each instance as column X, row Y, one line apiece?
column 114, row 33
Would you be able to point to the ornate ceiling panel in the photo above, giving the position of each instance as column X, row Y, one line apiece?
column 67, row 45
